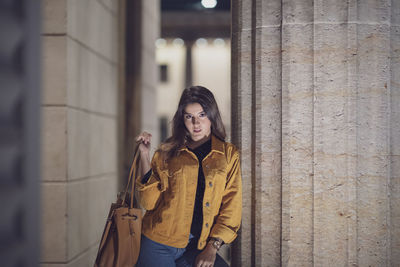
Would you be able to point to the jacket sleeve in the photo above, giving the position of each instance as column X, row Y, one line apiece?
column 150, row 192
column 230, row 214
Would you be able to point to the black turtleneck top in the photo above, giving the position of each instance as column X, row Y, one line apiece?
column 201, row 152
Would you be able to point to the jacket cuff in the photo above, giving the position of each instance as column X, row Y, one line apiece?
column 223, row 232
column 151, row 184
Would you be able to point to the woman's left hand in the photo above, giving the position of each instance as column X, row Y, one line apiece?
column 207, row 257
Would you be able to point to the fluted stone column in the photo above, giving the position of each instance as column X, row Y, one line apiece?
column 256, row 121
column 316, row 114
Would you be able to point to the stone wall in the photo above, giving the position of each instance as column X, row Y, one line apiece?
column 79, row 134
column 316, row 102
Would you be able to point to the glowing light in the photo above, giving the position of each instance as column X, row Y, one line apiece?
column 201, row 42
column 209, row 3
column 161, row 43
column 178, row 42
column 219, row 42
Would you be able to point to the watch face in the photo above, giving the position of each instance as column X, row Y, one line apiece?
column 217, row 244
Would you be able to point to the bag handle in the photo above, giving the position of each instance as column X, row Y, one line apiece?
column 132, row 174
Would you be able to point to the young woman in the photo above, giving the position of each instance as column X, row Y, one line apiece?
column 191, row 190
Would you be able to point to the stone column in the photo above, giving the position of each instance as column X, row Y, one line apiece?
column 315, row 90
column 188, row 63
column 394, row 132
column 256, row 127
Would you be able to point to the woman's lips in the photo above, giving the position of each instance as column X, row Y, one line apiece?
column 197, row 130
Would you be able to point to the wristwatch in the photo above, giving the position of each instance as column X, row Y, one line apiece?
column 216, row 242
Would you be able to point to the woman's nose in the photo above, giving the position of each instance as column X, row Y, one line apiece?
column 195, row 120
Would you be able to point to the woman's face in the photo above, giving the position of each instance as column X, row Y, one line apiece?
column 196, row 121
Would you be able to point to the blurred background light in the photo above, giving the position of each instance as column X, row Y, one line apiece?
column 201, row 42
column 178, row 42
column 161, row 42
column 219, row 42
column 209, row 3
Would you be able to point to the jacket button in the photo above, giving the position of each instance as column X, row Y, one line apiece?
column 207, row 204
column 207, row 166
column 207, row 225
column 210, row 184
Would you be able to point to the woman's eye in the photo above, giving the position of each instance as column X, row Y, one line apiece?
column 188, row 117
column 202, row 115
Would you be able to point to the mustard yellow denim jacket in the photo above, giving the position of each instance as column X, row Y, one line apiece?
column 169, row 196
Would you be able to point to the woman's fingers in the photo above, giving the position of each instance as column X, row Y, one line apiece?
column 144, row 137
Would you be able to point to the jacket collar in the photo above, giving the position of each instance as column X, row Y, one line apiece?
column 216, row 145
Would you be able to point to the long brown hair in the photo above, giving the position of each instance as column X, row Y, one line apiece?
column 180, row 135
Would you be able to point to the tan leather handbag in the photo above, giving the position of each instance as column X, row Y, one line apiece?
column 120, row 242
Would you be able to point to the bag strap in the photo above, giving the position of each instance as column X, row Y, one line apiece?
column 132, row 177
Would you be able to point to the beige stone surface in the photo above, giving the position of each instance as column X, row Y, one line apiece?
column 54, row 144
column 86, row 258
column 268, row 13
column 268, row 145
column 395, row 137
column 92, row 144
column 54, row 69
column 91, row 24
column 92, row 80
column 148, row 67
column 152, row 33
column 80, row 116
column 54, row 222
column 340, row 131
column 374, row 11
column 325, row 11
column 112, row 5
column 149, row 70
column 54, row 16
column 395, row 89
column 299, row 11
column 395, row 14
column 151, row 8
column 297, row 156
column 89, row 201
column 244, row 11
column 334, row 147
column 241, row 132
column 149, row 117
column 395, row 209
column 373, row 145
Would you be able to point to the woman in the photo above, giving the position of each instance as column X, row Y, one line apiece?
column 191, row 190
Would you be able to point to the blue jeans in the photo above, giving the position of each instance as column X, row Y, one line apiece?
column 154, row 254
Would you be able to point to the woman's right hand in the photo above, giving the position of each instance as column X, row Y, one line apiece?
column 144, row 149
column 145, row 143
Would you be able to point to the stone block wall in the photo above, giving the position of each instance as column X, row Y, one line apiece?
column 315, row 90
column 79, row 135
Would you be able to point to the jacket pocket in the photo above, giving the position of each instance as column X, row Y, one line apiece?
column 175, row 180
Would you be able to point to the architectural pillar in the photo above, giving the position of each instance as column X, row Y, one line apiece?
column 316, row 114
column 188, row 63
column 256, row 127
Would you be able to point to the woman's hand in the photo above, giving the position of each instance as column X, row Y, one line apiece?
column 207, row 257
column 144, row 150
column 145, row 143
